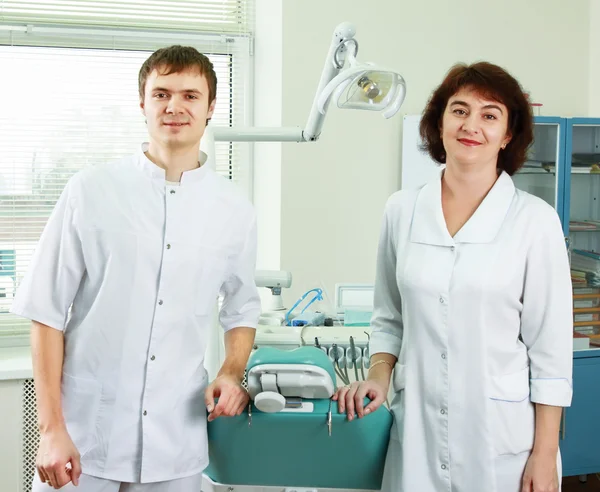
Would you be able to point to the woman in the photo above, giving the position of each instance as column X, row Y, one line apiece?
column 473, row 306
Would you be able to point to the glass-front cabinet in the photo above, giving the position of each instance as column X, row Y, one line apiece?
column 563, row 168
column 542, row 174
column 582, row 213
column 580, row 442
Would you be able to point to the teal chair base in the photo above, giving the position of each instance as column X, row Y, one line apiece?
column 288, row 449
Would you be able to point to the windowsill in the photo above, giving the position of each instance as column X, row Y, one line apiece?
column 14, row 341
column 15, row 363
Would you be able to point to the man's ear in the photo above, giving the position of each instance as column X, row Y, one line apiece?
column 211, row 109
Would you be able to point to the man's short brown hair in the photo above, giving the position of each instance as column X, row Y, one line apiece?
column 175, row 59
column 492, row 82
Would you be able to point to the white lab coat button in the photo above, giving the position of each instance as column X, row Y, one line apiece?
column 145, row 413
column 443, row 412
column 172, row 192
column 152, row 358
column 444, row 467
column 168, row 246
column 160, row 302
column 443, row 356
column 452, row 248
column 441, row 300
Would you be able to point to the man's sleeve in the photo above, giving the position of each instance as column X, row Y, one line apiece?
column 241, row 301
column 56, row 269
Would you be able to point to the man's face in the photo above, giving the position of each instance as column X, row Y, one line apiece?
column 176, row 108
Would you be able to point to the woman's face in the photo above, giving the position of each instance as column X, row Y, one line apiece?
column 474, row 130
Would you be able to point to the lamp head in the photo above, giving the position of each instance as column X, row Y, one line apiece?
column 372, row 89
column 363, row 86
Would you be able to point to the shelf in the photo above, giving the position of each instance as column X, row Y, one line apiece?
column 535, row 170
column 584, row 170
column 588, row 225
column 585, row 296
column 541, row 171
column 586, row 310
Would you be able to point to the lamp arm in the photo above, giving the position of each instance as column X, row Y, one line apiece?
column 342, row 34
column 257, row 134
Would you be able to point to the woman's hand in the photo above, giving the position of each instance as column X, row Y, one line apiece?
column 351, row 398
column 541, row 474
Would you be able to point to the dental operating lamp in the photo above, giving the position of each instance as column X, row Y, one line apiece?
column 344, row 81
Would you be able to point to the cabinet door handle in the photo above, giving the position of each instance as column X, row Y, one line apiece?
column 563, row 430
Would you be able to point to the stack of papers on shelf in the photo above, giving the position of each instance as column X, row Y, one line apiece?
column 585, row 268
column 578, row 279
column 585, row 297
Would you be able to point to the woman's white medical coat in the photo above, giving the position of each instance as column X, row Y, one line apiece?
column 481, row 324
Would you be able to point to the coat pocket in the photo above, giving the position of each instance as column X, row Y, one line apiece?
column 512, row 415
column 399, row 377
column 397, row 405
column 81, row 404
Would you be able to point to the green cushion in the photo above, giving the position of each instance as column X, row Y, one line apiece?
column 301, row 355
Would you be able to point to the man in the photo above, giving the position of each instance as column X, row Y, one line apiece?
column 121, row 292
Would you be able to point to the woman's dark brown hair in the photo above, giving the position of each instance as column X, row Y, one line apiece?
column 491, row 82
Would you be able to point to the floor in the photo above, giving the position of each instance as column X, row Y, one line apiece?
column 572, row 484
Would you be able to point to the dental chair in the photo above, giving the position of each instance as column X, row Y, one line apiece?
column 292, row 437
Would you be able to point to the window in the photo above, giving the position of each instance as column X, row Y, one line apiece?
column 70, row 100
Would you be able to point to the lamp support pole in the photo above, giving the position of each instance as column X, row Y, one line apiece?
column 312, row 130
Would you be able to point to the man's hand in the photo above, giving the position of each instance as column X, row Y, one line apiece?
column 55, row 453
column 233, row 398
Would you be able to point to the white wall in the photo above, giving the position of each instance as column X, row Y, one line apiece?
column 267, row 113
column 333, row 192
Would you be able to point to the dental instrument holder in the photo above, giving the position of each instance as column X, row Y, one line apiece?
column 299, row 438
